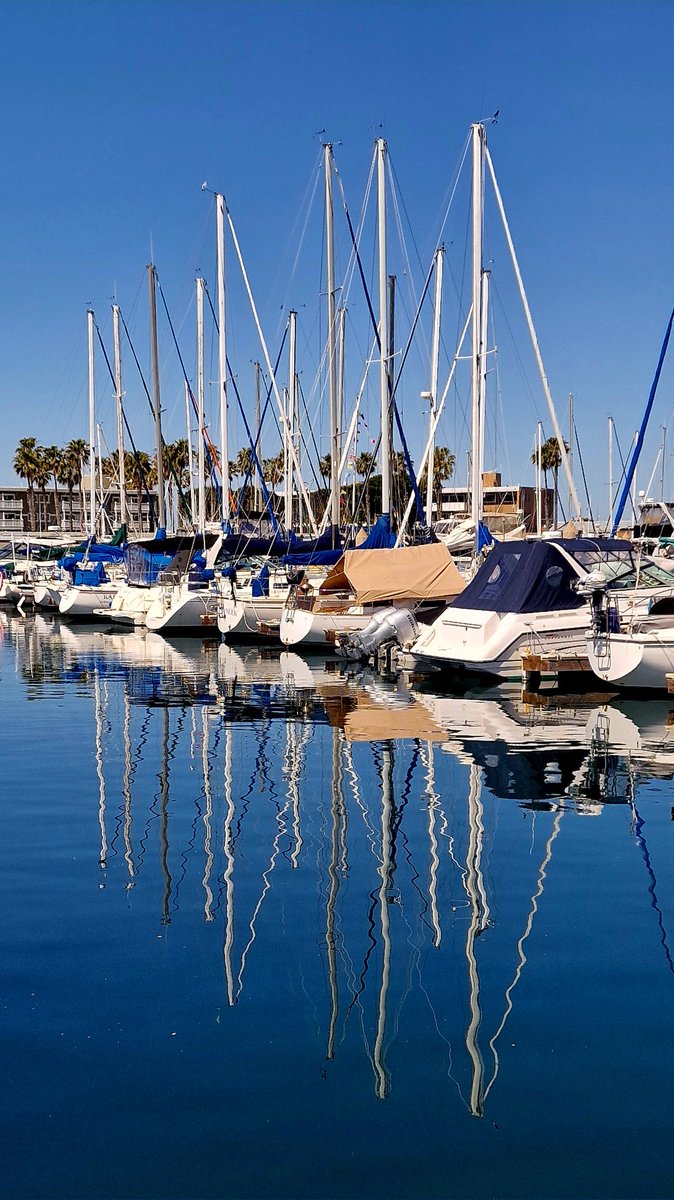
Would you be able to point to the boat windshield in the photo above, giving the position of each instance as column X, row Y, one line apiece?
column 625, row 569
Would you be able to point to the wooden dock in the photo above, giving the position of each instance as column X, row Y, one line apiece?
column 564, row 667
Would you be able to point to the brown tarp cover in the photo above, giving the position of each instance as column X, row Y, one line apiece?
column 409, row 573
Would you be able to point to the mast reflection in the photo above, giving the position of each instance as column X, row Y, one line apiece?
column 345, row 829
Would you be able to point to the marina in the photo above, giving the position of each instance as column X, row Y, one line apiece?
column 344, row 930
column 336, row 600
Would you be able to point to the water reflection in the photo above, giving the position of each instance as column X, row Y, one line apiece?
column 223, row 777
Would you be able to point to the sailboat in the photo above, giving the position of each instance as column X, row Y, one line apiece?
column 415, row 581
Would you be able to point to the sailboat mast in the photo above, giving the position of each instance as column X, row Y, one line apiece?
column 539, row 455
column 433, row 393
column 201, row 460
column 121, row 465
column 383, row 331
column 609, row 523
column 478, row 135
column 156, row 398
column 483, row 372
column 92, row 426
column 190, row 454
column 258, row 444
column 290, row 424
column 222, row 357
column 332, row 355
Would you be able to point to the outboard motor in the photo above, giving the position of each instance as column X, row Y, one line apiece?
column 392, row 624
column 603, row 613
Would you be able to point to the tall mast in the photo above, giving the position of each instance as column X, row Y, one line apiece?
column 571, row 441
column 433, row 392
column 222, row 356
column 256, row 440
column 609, row 523
column 539, row 521
column 290, row 426
column 190, row 455
column 483, row 372
column 156, row 398
column 201, row 459
column 121, row 465
column 476, row 383
column 341, row 325
column 92, row 425
column 383, row 331
column 335, row 431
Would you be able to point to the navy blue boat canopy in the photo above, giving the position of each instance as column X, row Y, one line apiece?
column 534, row 576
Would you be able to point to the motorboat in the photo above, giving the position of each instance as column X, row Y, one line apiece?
column 527, row 598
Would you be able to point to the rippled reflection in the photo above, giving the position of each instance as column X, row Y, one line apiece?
column 366, row 852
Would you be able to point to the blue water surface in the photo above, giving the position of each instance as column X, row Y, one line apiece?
column 270, row 932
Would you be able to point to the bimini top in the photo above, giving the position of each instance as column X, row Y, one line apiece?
column 536, row 576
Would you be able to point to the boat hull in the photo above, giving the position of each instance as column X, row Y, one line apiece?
column 493, row 644
column 86, row 602
column 641, row 660
column 181, row 610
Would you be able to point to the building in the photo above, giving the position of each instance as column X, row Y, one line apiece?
column 59, row 512
column 504, row 507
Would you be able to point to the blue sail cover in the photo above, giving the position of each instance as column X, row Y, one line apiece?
column 243, row 545
column 523, row 577
column 96, row 552
column 380, row 537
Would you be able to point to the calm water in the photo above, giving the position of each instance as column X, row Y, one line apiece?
column 271, row 932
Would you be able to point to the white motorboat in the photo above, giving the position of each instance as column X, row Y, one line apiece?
column 525, row 599
column 631, row 651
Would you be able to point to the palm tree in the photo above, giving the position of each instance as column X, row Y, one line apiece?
column 140, row 474
column 364, row 466
column 443, row 468
column 550, row 460
column 77, row 453
column 52, row 456
column 41, row 477
column 273, row 469
column 175, row 460
column 26, row 464
column 243, row 465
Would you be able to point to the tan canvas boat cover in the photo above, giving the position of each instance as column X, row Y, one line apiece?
column 409, row 573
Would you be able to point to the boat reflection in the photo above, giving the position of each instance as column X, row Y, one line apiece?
column 304, row 809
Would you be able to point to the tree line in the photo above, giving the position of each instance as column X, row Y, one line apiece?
column 42, row 466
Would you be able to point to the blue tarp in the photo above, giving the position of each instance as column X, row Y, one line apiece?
column 318, row 558
column 96, row 552
column 532, row 576
column 91, row 574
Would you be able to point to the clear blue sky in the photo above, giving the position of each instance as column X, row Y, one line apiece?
column 114, row 114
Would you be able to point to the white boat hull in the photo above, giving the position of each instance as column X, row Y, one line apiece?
column 302, row 626
column 86, row 601
column 493, row 644
column 640, row 659
column 249, row 618
column 182, row 610
column 48, row 595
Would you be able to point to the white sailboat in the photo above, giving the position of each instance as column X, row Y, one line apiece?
column 364, row 582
